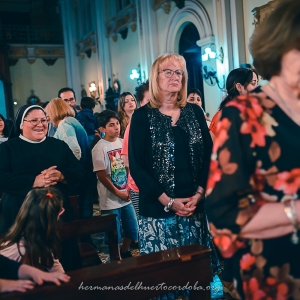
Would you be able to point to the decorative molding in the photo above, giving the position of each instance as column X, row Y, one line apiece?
column 114, row 37
column 49, row 53
column 166, row 5
column 133, row 27
column 193, row 12
column 85, row 46
column 120, row 23
column 180, row 3
column 206, row 41
column 261, row 12
column 49, row 61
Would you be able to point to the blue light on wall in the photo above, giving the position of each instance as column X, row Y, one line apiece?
column 210, row 53
column 134, row 74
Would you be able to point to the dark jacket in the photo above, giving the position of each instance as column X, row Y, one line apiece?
column 145, row 164
column 88, row 120
column 21, row 162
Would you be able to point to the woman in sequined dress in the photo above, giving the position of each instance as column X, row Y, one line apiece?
column 169, row 151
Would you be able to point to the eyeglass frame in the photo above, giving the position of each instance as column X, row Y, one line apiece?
column 173, row 72
column 38, row 121
column 70, row 100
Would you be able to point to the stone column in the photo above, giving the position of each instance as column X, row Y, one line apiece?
column 103, row 51
column 69, row 30
column 147, row 31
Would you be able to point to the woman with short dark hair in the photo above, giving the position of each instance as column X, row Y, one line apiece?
column 254, row 182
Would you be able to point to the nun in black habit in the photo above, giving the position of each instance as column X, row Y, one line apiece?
column 30, row 160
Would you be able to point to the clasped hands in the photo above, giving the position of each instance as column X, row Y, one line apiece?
column 185, row 207
column 48, row 177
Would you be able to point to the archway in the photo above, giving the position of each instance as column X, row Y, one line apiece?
column 192, row 54
column 193, row 12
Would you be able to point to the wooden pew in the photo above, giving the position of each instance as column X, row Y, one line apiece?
column 104, row 223
column 179, row 267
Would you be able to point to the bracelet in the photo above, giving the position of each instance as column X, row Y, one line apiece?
column 200, row 193
column 291, row 213
column 168, row 207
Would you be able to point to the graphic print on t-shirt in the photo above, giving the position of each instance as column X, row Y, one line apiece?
column 118, row 170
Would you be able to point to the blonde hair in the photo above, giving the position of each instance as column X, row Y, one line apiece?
column 124, row 119
column 154, row 90
column 57, row 109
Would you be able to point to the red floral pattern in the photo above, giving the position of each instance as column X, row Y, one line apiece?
column 246, row 140
column 288, row 182
column 214, row 175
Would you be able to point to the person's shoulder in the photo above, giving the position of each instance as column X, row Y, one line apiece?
column 54, row 142
column 13, row 144
column 194, row 107
column 100, row 145
column 246, row 105
column 142, row 111
column 11, row 141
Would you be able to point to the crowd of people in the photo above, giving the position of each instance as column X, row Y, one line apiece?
column 171, row 175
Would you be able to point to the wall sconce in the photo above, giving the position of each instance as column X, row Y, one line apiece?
column 211, row 53
column 93, row 89
column 136, row 74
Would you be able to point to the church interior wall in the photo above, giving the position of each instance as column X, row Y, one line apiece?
column 88, row 72
column 125, row 56
column 249, row 5
column 44, row 80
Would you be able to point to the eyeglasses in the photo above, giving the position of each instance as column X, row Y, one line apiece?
column 69, row 100
column 169, row 73
column 35, row 122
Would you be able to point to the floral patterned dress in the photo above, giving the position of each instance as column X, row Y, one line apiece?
column 255, row 160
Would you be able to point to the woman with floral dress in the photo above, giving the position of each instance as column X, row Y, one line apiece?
column 254, row 181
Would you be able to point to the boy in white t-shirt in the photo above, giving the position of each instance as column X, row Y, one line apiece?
column 112, row 178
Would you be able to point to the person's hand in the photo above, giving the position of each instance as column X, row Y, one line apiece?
column 39, row 277
column 180, row 207
column 194, row 200
column 189, row 205
column 123, row 195
column 15, row 285
column 52, row 175
column 40, row 181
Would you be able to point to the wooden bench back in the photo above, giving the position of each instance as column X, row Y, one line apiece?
column 177, row 267
column 104, row 223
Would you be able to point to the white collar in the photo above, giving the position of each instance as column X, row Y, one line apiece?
column 30, row 141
